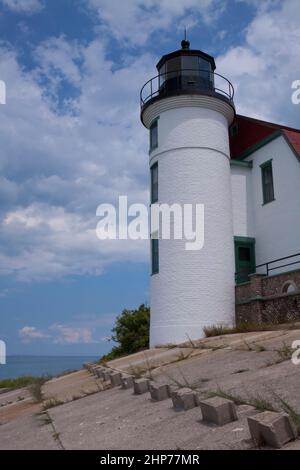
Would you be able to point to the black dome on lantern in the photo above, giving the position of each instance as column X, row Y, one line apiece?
column 186, row 51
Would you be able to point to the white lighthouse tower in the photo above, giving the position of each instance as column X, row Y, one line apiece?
column 188, row 108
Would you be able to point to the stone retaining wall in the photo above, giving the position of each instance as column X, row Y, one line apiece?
column 273, row 299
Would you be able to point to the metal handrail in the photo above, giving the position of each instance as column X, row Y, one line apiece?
column 276, row 261
column 155, row 86
column 268, row 263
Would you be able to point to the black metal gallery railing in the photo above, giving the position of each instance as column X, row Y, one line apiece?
column 191, row 81
column 266, row 268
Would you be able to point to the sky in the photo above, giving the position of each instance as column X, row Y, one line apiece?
column 71, row 139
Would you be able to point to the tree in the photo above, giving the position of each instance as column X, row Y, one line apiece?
column 131, row 332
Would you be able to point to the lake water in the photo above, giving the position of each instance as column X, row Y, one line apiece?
column 41, row 365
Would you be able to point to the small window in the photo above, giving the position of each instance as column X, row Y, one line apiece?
column 173, row 66
column 267, row 182
column 154, row 256
column 244, row 249
column 153, row 135
column 205, row 70
column 154, row 183
column 244, row 253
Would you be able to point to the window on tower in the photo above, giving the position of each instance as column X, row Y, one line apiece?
column 154, row 135
column 267, row 182
column 154, row 183
column 154, row 256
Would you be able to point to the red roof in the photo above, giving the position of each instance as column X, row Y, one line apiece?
column 293, row 138
column 250, row 132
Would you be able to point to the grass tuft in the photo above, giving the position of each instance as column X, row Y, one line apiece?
column 238, row 400
column 36, row 389
column 52, row 403
column 285, row 352
column 261, row 404
column 259, row 348
column 257, row 402
column 244, row 327
column 290, row 410
column 217, row 330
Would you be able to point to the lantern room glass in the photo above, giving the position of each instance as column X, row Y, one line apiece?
column 185, row 73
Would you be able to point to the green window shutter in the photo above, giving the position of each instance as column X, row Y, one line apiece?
column 154, row 256
column 154, row 135
column 267, row 182
column 154, row 183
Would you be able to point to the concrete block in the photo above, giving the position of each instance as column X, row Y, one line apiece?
column 218, row 410
column 106, row 374
column 159, row 392
column 127, row 381
column 115, row 378
column 272, row 428
column 93, row 370
column 99, row 373
column 184, row 399
column 140, row 386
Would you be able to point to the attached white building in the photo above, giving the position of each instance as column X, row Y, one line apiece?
column 245, row 172
column 265, row 172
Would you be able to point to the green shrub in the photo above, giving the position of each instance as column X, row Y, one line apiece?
column 20, row 382
column 131, row 332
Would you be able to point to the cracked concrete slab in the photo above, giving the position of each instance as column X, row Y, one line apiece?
column 72, row 386
column 28, row 432
column 12, row 396
column 115, row 419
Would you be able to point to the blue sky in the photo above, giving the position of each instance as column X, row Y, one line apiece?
column 71, row 139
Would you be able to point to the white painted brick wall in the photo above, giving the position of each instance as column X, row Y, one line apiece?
column 194, row 288
column 242, row 201
column 277, row 224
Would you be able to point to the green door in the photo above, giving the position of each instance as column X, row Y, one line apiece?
column 244, row 249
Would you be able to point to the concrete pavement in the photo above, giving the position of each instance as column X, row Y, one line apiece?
column 253, row 367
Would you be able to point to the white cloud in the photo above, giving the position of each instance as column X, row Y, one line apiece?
column 263, row 68
column 24, row 6
column 28, row 333
column 57, row 60
column 61, row 166
column 70, row 335
column 58, row 334
column 136, row 20
column 51, row 242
